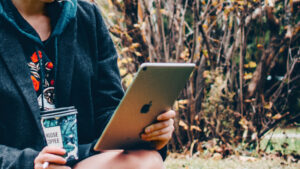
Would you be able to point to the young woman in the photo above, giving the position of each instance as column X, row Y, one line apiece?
column 57, row 54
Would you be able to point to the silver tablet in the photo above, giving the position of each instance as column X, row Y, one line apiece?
column 153, row 91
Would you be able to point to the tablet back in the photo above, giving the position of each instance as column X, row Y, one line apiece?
column 153, row 91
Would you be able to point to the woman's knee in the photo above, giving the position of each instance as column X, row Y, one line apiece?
column 145, row 159
column 139, row 159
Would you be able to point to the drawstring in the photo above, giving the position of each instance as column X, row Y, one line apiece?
column 42, row 68
column 55, row 66
column 56, row 58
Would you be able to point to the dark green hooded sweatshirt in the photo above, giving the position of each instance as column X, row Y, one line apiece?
column 84, row 70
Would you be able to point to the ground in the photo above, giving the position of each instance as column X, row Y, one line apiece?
column 230, row 163
column 279, row 145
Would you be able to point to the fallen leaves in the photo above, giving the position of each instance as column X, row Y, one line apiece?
column 268, row 105
column 217, row 156
column 186, row 127
column 251, row 64
column 247, row 159
column 277, row 116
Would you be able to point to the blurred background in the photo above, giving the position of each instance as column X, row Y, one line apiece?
column 243, row 100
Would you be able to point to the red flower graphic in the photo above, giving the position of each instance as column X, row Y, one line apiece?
column 49, row 65
column 52, row 82
column 35, row 58
column 36, row 83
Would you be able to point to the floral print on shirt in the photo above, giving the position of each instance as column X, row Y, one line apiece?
column 48, row 86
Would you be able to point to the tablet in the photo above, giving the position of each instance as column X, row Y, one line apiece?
column 153, row 91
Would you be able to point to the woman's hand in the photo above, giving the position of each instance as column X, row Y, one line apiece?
column 161, row 132
column 52, row 155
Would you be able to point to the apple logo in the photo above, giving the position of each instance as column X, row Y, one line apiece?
column 145, row 109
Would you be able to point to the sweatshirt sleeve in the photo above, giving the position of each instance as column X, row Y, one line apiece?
column 11, row 158
column 108, row 91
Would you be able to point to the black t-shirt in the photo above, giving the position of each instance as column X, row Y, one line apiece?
column 41, row 66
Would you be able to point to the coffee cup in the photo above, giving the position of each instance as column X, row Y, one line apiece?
column 60, row 130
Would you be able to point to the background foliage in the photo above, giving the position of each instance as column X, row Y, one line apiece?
column 247, row 56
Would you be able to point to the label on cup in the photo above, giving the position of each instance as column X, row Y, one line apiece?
column 60, row 130
column 53, row 136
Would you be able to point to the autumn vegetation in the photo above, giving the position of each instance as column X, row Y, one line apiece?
column 247, row 56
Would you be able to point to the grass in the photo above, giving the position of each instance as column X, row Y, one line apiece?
column 230, row 163
column 275, row 141
column 286, row 141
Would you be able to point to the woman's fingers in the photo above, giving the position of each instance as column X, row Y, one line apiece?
column 52, row 155
column 163, row 137
column 160, row 141
column 167, row 115
column 159, row 126
column 161, row 132
column 51, row 158
column 149, row 136
column 54, row 150
column 52, row 166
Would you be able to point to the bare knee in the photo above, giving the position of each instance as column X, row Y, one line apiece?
column 139, row 159
column 144, row 159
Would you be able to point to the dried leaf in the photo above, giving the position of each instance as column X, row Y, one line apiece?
column 244, row 123
column 241, row 3
column 199, row 38
column 153, row 11
column 248, row 76
column 196, row 117
column 193, row 127
column 248, row 101
column 269, row 114
column 140, row 10
column 247, row 159
column 291, row 5
column 217, row 156
column 137, row 25
column 164, row 12
column 134, row 45
column 138, row 53
column 277, row 116
column 183, row 124
column 214, row 3
column 186, row 101
column 282, row 49
column 123, row 71
column 268, row 105
column 110, row 3
column 206, row 74
column 125, row 61
column 252, row 64
column 205, row 53
column 126, row 49
column 259, row 46
column 241, row 8
column 185, row 54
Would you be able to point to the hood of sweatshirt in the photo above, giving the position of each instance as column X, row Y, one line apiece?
column 60, row 12
column 67, row 12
